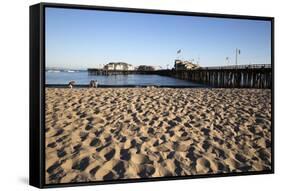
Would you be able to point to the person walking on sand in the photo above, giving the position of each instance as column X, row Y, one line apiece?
column 71, row 84
column 93, row 83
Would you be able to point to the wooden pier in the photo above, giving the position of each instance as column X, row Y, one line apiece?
column 246, row 76
column 241, row 76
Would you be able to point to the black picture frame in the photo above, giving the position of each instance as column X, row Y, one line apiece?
column 37, row 93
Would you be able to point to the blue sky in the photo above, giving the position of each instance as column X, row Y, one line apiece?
column 80, row 39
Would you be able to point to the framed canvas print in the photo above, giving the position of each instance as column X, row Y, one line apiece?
column 127, row 95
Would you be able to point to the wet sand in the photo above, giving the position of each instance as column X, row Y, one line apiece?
column 123, row 133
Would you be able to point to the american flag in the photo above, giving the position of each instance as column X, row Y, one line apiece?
column 238, row 51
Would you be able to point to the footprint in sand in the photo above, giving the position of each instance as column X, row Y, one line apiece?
column 125, row 154
column 83, row 135
column 76, row 149
column 123, row 139
column 59, row 132
column 89, row 126
column 56, row 177
column 120, row 169
column 95, row 142
column 94, row 170
column 146, row 171
column 53, row 167
column 61, row 153
column 95, row 120
column 150, row 130
column 205, row 131
column 178, row 168
column 103, row 173
column 52, row 145
column 108, row 156
column 82, row 164
column 109, row 176
column 140, row 159
column 202, row 165
column 206, row 145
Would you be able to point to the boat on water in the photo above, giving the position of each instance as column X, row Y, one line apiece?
column 54, row 71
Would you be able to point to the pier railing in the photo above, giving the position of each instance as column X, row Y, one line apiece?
column 251, row 66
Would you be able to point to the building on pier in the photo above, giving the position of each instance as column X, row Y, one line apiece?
column 185, row 65
column 145, row 68
column 119, row 66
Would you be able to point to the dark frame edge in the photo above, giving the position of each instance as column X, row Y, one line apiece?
column 272, row 95
column 35, row 128
column 159, row 179
column 155, row 11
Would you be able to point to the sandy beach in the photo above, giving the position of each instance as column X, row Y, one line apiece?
column 105, row 133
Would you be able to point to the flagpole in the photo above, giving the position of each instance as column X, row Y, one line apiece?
column 178, row 57
column 236, row 57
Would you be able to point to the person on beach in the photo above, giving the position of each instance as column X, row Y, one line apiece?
column 93, row 83
column 71, row 84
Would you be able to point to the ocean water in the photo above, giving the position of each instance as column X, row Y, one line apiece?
column 82, row 77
